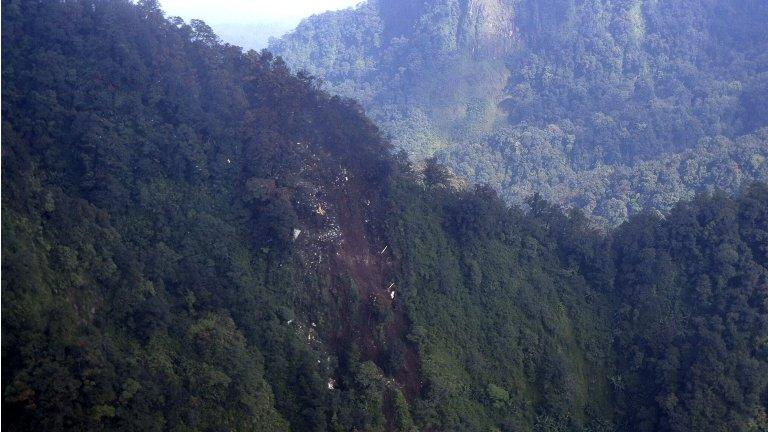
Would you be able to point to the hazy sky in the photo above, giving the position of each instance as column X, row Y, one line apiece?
column 251, row 11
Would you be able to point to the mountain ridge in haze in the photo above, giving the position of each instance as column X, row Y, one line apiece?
column 254, row 36
column 587, row 103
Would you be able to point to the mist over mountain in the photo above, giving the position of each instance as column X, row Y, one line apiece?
column 610, row 107
column 195, row 238
column 251, row 36
column 248, row 23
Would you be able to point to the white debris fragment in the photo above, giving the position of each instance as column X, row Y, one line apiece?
column 390, row 286
column 383, row 250
column 296, row 233
column 289, row 322
column 229, row 161
column 314, row 325
column 392, row 295
column 331, row 384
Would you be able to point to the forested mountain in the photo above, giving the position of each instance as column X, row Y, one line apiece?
column 607, row 106
column 194, row 239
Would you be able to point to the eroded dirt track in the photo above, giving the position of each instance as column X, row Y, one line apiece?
column 368, row 259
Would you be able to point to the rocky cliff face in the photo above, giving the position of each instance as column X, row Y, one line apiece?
column 488, row 26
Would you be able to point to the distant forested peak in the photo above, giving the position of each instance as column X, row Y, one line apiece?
column 586, row 88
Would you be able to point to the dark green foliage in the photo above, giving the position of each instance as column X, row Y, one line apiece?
column 149, row 174
column 693, row 301
column 507, row 328
column 196, row 240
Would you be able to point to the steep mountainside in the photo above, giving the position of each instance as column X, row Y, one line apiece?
column 573, row 100
column 195, row 239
